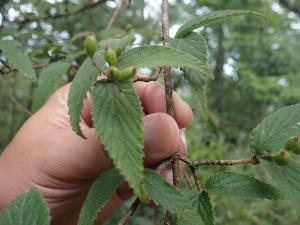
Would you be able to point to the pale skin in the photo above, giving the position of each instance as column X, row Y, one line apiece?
column 47, row 154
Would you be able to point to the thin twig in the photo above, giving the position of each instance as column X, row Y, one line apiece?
column 65, row 14
column 168, row 80
column 40, row 65
column 10, row 69
column 168, row 218
column 19, row 104
column 165, row 22
column 163, row 165
column 197, row 163
column 176, row 170
column 169, row 94
column 197, row 180
column 5, row 64
column 150, row 78
column 115, row 14
column 188, row 180
column 135, row 205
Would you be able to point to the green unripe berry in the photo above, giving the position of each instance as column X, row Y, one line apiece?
column 120, row 75
column 90, row 44
column 282, row 158
column 293, row 145
column 114, row 73
column 128, row 73
column 111, row 57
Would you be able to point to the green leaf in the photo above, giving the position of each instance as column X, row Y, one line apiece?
column 166, row 195
column 228, row 184
column 84, row 79
column 210, row 18
column 79, row 36
column 99, row 194
column 50, row 80
column 205, row 208
column 288, row 180
column 17, row 58
column 118, row 118
column 28, row 208
column 201, row 202
column 117, row 42
column 160, row 56
column 195, row 44
column 198, row 87
column 272, row 133
column 112, row 32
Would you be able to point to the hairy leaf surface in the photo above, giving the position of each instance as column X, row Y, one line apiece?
column 170, row 198
column 84, row 79
column 196, row 45
column 201, row 202
column 228, row 184
column 209, row 18
column 118, row 116
column 50, row 79
column 160, row 56
column 99, row 194
column 117, row 42
column 28, row 208
column 272, row 133
column 288, row 180
column 17, row 58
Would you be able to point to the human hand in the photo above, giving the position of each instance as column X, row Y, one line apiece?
column 47, row 154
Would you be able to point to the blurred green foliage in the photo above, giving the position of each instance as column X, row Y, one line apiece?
column 255, row 64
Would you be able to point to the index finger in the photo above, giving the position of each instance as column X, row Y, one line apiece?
column 152, row 96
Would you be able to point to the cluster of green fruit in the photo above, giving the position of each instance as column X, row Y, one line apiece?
column 283, row 157
column 111, row 56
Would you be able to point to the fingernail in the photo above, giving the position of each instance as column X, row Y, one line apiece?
column 182, row 135
column 169, row 176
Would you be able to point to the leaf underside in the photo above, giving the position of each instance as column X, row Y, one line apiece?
column 288, row 180
column 195, row 44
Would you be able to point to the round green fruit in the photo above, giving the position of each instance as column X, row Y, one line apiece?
column 293, row 145
column 282, row 158
column 111, row 57
column 90, row 44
